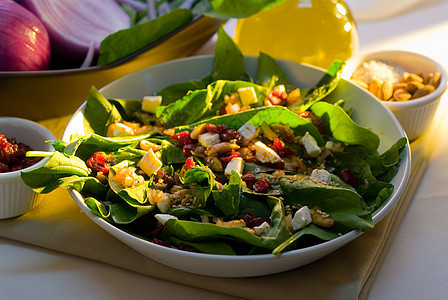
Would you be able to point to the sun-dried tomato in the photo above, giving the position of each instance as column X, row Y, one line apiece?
column 349, row 177
column 13, row 155
column 189, row 163
column 98, row 162
column 262, row 185
column 282, row 150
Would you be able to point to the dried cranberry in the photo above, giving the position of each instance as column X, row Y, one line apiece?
column 280, row 165
column 98, row 163
column 262, row 185
column 216, row 128
column 349, row 177
column 187, row 248
column 229, row 156
column 252, row 221
column 156, row 230
column 186, row 149
column 160, row 242
column 249, row 178
column 183, row 138
column 3, row 168
column 230, row 134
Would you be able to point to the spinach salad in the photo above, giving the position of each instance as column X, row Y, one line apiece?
column 226, row 164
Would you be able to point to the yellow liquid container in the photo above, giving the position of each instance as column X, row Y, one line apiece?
column 306, row 31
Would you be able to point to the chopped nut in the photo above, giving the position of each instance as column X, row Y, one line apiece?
column 387, row 89
column 198, row 130
column 427, row 89
column 401, row 95
column 321, row 218
column 375, row 88
column 214, row 163
column 408, row 77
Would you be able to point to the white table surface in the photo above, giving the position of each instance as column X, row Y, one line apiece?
column 415, row 267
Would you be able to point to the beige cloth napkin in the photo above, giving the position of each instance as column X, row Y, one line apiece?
column 348, row 273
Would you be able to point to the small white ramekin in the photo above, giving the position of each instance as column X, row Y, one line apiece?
column 16, row 198
column 414, row 115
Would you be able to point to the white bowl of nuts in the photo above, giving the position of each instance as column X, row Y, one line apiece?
column 409, row 84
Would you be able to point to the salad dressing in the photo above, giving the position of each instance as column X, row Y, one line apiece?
column 305, row 31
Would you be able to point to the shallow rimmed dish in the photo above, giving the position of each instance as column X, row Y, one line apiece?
column 53, row 93
column 16, row 198
column 367, row 111
column 414, row 115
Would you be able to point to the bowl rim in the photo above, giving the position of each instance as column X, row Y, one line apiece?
column 357, row 60
column 33, row 126
column 341, row 240
column 62, row 72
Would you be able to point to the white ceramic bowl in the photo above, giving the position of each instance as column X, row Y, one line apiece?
column 414, row 115
column 367, row 111
column 16, row 198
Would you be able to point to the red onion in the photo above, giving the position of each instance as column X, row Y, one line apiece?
column 24, row 41
column 74, row 24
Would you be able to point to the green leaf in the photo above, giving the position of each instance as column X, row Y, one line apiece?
column 99, row 113
column 125, row 42
column 225, row 9
column 279, row 231
column 201, row 184
column 228, row 200
column 212, row 247
column 268, row 68
column 194, row 231
column 58, row 166
column 228, row 63
column 323, row 88
column 309, row 230
column 343, row 128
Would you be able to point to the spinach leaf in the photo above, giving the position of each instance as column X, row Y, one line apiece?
column 228, row 62
column 343, row 128
column 176, row 91
column 268, row 69
column 99, row 113
column 320, row 233
column 224, row 9
column 127, row 41
column 279, row 231
column 127, row 107
column 228, row 200
column 201, row 184
column 194, row 231
column 58, row 166
column 323, row 88
column 118, row 213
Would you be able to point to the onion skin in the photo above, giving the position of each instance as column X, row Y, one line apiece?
column 24, row 40
column 74, row 24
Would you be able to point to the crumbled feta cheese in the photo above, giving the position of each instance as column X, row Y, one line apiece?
column 263, row 229
column 162, row 218
column 302, row 217
column 208, row 139
column 150, row 163
column 165, row 203
column 321, row 176
column 120, row 129
column 247, row 95
column 236, row 164
column 311, row 146
column 265, row 154
column 150, row 103
column 248, row 131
